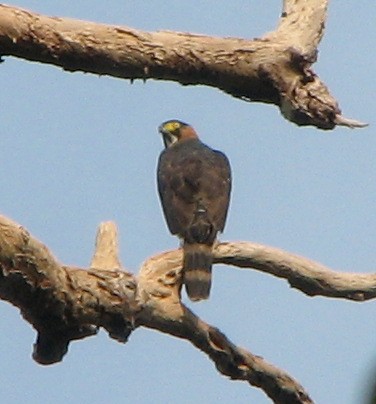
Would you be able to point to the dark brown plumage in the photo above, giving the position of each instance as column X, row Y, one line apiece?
column 194, row 184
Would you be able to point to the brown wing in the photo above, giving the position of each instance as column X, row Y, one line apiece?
column 190, row 174
column 174, row 199
column 218, row 190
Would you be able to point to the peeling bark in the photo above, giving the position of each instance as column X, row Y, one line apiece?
column 65, row 303
column 62, row 303
column 275, row 68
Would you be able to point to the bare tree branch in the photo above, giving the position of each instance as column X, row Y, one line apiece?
column 309, row 277
column 106, row 255
column 62, row 303
column 67, row 303
column 306, row 21
column 159, row 285
column 350, row 123
column 273, row 69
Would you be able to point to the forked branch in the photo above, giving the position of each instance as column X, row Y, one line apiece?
column 67, row 303
column 275, row 68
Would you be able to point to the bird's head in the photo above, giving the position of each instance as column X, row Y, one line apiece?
column 174, row 131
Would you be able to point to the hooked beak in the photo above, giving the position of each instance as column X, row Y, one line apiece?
column 165, row 135
column 160, row 129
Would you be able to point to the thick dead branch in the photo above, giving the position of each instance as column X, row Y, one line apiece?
column 306, row 21
column 308, row 276
column 273, row 69
column 62, row 303
column 67, row 303
column 159, row 285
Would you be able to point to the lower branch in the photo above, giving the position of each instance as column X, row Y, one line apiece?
column 67, row 303
column 62, row 303
column 308, row 276
column 159, row 293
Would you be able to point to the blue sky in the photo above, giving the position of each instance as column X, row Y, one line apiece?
column 76, row 149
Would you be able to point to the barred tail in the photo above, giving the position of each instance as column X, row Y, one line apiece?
column 198, row 259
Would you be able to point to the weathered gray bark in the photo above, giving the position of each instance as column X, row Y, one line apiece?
column 275, row 68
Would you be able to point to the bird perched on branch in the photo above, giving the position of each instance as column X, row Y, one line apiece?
column 194, row 184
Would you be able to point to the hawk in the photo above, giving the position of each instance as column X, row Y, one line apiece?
column 194, row 184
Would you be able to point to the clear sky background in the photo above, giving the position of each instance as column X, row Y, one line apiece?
column 77, row 149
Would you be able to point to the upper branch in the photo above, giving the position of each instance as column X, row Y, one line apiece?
column 305, row 20
column 273, row 69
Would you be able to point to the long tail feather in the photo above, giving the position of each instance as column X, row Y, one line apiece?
column 198, row 259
